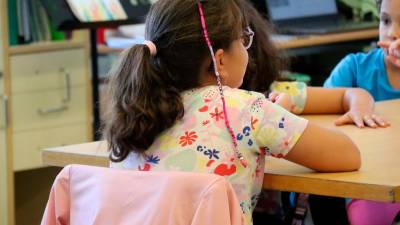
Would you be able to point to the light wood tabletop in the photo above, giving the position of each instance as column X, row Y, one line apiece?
column 378, row 179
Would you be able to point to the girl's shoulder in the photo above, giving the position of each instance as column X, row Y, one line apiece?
column 365, row 58
column 242, row 94
column 212, row 93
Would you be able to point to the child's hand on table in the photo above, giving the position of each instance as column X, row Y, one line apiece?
column 362, row 116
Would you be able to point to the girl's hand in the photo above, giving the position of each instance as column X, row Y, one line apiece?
column 282, row 99
column 362, row 118
column 359, row 107
column 384, row 44
column 392, row 50
column 394, row 53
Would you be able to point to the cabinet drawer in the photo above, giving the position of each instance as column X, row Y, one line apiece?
column 50, row 70
column 29, row 109
column 28, row 145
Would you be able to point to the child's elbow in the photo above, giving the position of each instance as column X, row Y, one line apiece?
column 353, row 157
column 356, row 161
column 348, row 157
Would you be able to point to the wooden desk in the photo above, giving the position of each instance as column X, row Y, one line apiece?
column 378, row 178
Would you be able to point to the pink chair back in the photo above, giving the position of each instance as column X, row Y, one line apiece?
column 103, row 196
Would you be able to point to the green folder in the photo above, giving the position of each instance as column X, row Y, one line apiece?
column 12, row 22
column 55, row 34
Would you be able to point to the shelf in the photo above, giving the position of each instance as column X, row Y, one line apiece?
column 103, row 50
column 63, row 18
column 312, row 40
column 45, row 47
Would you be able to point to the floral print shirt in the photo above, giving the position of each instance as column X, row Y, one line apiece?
column 200, row 142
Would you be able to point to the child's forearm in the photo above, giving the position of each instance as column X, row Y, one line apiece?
column 324, row 100
column 356, row 104
column 336, row 100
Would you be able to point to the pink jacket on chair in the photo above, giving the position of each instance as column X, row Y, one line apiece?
column 86, row 195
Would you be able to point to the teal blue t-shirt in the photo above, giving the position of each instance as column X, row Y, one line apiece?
column 364, row 70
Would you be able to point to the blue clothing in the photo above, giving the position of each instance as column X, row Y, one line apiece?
column 364, row 70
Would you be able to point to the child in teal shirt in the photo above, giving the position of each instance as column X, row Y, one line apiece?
column 368, row 71
column 378, row 72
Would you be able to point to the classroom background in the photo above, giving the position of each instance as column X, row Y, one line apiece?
column 54, row 62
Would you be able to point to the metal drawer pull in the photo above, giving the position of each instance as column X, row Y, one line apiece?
column 66, row 99
column 52, row 110
column 5, row 112
column 67, row 87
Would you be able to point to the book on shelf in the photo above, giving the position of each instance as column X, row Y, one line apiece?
column 13, row 26
column 97, row 10
column 29, row 23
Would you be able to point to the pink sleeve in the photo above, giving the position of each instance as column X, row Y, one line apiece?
column 276, row 130
column 57, row 208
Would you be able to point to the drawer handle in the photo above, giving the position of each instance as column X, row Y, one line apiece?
column 52, row 110
column 5, row 112
column 67, row 78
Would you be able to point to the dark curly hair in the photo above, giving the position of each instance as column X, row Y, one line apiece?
column 145, row 90
column 265, row 64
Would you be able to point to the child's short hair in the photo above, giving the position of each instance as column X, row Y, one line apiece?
column 145, row 89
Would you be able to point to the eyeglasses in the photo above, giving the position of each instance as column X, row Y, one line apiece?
column 247, row 37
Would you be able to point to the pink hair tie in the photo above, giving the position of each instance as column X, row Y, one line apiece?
column 151, row 46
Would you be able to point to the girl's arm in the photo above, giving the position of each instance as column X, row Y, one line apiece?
column 356, row 104
column 325, row 150
column 321, row 149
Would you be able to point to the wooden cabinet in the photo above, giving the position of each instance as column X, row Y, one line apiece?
column 51, row 104
column 4, row 171
column 45, row 96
